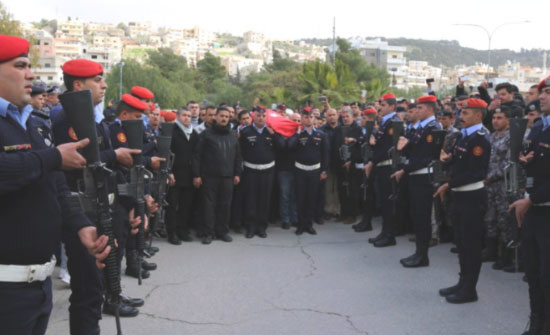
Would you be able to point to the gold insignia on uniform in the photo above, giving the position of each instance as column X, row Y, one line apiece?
column 477, row 151
column 121, row 137
column 72, row 134
column 17, row 147
column 390, row 132
column 429, row 138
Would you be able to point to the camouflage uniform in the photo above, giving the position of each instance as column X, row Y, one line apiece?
column 498, row 220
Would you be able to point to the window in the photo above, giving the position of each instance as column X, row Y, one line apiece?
column 50, row 78
column 47, row 65
column 394, row 56
column 94, row 56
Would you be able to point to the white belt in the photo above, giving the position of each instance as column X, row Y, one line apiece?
column 259, row 166
column 307, row 167
column 421, row 171
column 387, row 162
column 111, row 198
column 26, row 273
column 359, row 165
column 470, row 187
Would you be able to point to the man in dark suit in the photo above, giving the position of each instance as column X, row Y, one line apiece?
column 182, row 195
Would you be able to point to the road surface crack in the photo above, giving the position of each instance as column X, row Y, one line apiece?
column 191, row 323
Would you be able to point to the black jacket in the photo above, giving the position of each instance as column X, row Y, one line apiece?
column 218, row 153
column 183, row 150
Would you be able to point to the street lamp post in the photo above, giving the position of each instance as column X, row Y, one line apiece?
column 489, row 35
column 121, row 64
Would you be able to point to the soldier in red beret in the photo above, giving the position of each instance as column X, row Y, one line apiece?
column 34, row 201
column 381, row 164
column 532, row 214
column 470, row 158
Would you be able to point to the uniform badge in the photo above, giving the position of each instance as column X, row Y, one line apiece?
column 17, row 147
column 429, row 138
column 532, row 107
column 477, row 151
column 72, row 134
column 121, row 137
column 390, row 131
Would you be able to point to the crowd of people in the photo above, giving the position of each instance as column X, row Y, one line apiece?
column 435, row 168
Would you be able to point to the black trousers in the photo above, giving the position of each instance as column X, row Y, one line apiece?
column 237, row 206
column 536, row 252
column 258, row 188
column 320, row 203
column 384, row 191
column 86, row 287
column 216, row 205
column 25, row 307
column 420, row 204
column 348, row 192
column 367, row 196
column 403, row 222
column 179, row 212
column 468, row 211
column 307, row 188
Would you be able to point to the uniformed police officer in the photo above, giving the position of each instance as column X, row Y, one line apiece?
column 421, row 150
column 532, row 214
column 311, row 162
column 470, row 159
column 258, row 144
column 30, row 175
column 381, row 161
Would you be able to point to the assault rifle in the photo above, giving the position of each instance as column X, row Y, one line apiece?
column 397, row 132
column 95, row 198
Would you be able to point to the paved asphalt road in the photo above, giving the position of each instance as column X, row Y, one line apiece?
column 332, row 283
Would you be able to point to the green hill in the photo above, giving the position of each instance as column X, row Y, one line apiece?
column 450, row 53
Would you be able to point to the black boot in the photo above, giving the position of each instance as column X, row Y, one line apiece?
column 378, row 237
column 123, row 310
column 134, row 302
column 535, row 325
column 452, row 289
column 148, row 266
column 133, row 266
column 174, row 239
column 364, row 225
column 504, row 260
column 489, row 254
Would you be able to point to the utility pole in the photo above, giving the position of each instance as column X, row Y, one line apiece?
column 334, row 40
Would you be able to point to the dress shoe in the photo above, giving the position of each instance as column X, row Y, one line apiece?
column 134, row 302
column 378, row 237
column 462, row 296
column 386, row 241
column 415, row 261
column 310, row 231
column 133, row 266
column 451, row 290
column 174, row 239
column 262, row 234
column 249, row 234
column 123, row 310
column 225, row 238
column 207, row 239
column 362, row 227
column 148, row 266
column 299, row 231
column 285, row 225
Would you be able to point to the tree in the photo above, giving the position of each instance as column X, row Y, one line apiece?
column 167, row 61
column 8, row 26
column 125, row 28
column 48, row 25
column 209, row 69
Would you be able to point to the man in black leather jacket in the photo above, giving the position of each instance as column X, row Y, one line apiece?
column 217, row 166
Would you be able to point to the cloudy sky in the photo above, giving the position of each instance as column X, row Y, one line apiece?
column 292, row 19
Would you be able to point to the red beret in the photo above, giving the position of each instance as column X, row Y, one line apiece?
column 545, row 82
column 134, row 102
column 82, row 68
column 474, row 103
column 388, row 96
column 369, row 111
column 169, row 116
column 427, row 98
column 142, row 92
column 12, row 47
column 162, row 113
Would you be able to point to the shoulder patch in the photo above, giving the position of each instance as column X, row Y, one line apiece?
column 121, row 137
column 477, row 151
column 429, row 138
column 72, row 134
